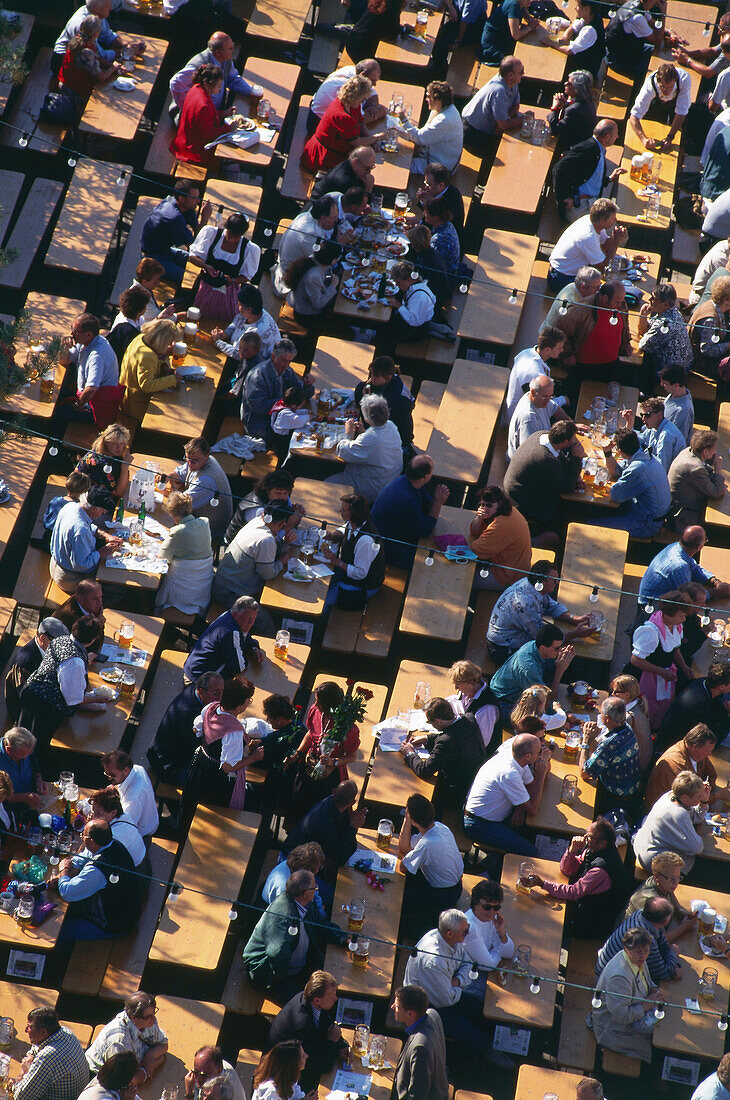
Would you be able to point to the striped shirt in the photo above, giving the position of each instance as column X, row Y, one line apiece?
column 662, row 960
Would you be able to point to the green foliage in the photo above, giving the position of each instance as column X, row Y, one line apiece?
column 15, row 368
column 12, row 66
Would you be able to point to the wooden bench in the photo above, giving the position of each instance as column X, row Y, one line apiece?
column 44, row 137
column 34, row 587
column 11, row 184
column 160, row 161
column 432, row 349
column 262, row 463
column 132, row 249
column 166, row 685
column 29, row 230
column 616, row 96
column 112, row 969
column 369, row 632
column 577, row 1043
column 621, row 1065
column 466, row 73
column 297, row 181
column 239, row 995
column 425, row 411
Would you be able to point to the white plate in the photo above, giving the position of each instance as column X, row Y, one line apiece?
column 706, row 950
column 124, row 84
column 193, row 371
column 305, row 575
column 110, row 673
column 4, row 496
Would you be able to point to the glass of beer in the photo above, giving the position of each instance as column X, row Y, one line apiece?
column 7, row 1024
column 523, row 955
column 401, row 204
column 707, row 921
column 421, row 23
column 361, row 1040
column 385, row 834
column 190, row 331
column 522, row 886
column 376, row 1054
column 708, row 983
column 179, row 353
column 128, row 683
column 572, row 745
column 125, row 635
column 23, row 915
column 361, row 954
column 569, row 789
column 281, row 644
column 309, row 545
column 193, row 314
column 263, row 110
column 355, row 914
column 47, row 379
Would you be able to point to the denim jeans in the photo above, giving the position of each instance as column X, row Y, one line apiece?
column 499, row 835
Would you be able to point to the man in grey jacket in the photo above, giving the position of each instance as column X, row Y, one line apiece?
column 253, row 557
column 264, row 385
column 220, row 51
column 421, row 1070
column 695, row 477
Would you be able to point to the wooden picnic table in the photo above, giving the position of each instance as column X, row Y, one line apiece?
column 688, row 20
column 183, row 411
column 504, row 264
column 45, row 936
column 541, row 61
column 19, row 42
column 382, row 916
column 321, row 499
column 438, row 595
column 631, row 206
column 16, row 1001
column 411, row 50
column 52, row 316
column 594, row 555
column 225, row 197
column 718, row 511
column 520, row 170
column 276, row 677
column 278, row 79
column 536, row 921
column 391, row 780
column 279, row 20
column 382, row 1079
column 296, row 597
column 686, row 1033
column 19, row 462
column 553, row 815
column 151, row 8
column 192, row 931
column 393, row 169
column 110, row 112
column 89, row 216
column 188, row 1025
column 340, row 364
column 536, row 1082
column 474, row 395
column 93, row 734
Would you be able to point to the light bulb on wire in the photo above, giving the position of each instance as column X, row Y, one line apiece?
column 473, row 974
column 269, row 232
column 563, row 309
column 596, row 999
column 715, row 338
column 107, row 469
column 114, row 879
column 613, row 319
column 121, row 178
column 704, row 619
column 233, row 913
column 53, row 450
column 722, row 1023
column 535, row 984
column 214, row 502
column 664, row 328
column 594, row 594
column 23, row 139
column 463, row 288
column 484, row 573
column 429, row 560
column 294, row 930
column 659, row 1011
column 513, row 298
column 73, row 161
column 539, row 586
column 649, row 608
column 175, row 892
column 706, row 31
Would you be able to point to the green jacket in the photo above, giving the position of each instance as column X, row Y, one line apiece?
column 268, row 952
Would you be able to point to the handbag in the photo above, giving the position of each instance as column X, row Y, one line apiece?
column 59, row 108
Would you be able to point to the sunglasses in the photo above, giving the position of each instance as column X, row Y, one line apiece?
column 489, row 907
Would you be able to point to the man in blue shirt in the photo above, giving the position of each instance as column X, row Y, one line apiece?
column 97, row 370
column 171, row 228
column 104, row 895
column 220, row 51
column 109, row 44
column 659, row 436
column 540, row 662
column 404, row 512
column 226, row 646
column 642, row 487
column 73, row 543
column 717, row 1085
column 675, row 566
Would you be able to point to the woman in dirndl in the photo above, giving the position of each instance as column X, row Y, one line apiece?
column 227, row 260
column 655, row 652
column 321, row 758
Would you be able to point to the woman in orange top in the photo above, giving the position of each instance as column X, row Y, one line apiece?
column 339, row 130
column 499, row 534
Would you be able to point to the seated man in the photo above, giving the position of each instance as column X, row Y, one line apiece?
column 534, row 412
column 133, row 1030
column 444, row 238
column 106, row 805
column 675, row 566
column 597, row 332
column 585, row 284
column 203, row 479
column 504, row 791
column 330, row 86
column 319, row 223
column 678, row 406
column 220, row 52
column 305, row 857
column 696, row 477
column 404, row 512
column 631, row 36
column 715, row 178
column 264, row 385
column 593, row 239
column 226, row 645
column 253, row 557
column 666, row 93
column 437, row 185
column 706, row 699
column 541, row 661
column 640, row 485
column 275, row 958
column 713, row 1086
column 412, row 309
column 135, row 791
column 26, row 660
column 432, row 863
column 666, row 873
column 614, row 761
column 542, row 468
column 661, row 438
column 333, row 824
column 18, row 761
column 55, row 1067
column 104, row 895
column 495, row 108
column 421, row 1069
column 663, row 336
column 74, row 556
column 309, row 1018
column 355, row 171
column 172, row 227
column 98, row 394
column 532, row 363
column 519, row 613
column 654, row 918
column 487, row 943
column 625, row 1017
column 692, row 753
column 175, row 741
column 457, row 752
column 209, row 1064
column 87, row 600
column 580, row 175
column 598, row 883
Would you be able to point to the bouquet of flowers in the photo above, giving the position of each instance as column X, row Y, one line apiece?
column 347, row 714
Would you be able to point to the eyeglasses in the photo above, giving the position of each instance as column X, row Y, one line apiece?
column 489, row 907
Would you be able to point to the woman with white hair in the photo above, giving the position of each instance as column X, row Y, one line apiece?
column 18, row 761
column 572, row 116
column 188, row 550
column 672, row 823
column 372, row 450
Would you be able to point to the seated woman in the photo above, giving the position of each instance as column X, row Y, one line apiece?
column 384, row 380
column 200, row 120
column 359, row 563
column 487, row 942
column 133, row 304
column 625, row 1019
column 104, row 464
column 313, row 283
column 277, row 1075
column 146, row 365
column 499, row 534
column 444, row 238
column 321, row 763
column 532, row 703
column 508, row 22
column 227, row 260
column 339, row 130
column 291, row 413
column 472, row 696
column 18, row 762
column 656, row 654
column 188, row 549
column 441, row 138
column 672, row 824
column 413, row 308
column 249, row 356
column 83, row 67
column 429, row 263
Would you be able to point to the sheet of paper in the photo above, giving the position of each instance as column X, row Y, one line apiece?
column 347, row 1081
column 137, row 658
column 512, row 1040
column 351, row 1013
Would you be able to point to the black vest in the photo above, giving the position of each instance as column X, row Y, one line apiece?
column 622, row 47
column 591, row 58
column 376, row 573
column 594, row 915
column 121, row 901
column 224, row 267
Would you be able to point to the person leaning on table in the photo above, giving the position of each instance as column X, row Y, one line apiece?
column 625, row 1020
column 54, row 1067
column 145, row 368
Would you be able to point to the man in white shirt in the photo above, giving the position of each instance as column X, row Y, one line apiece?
column 720, row 96
column 717, row 257
column 666, row 90
column 534, row 412
column 413, row 308
column 592, row 239
column 135, row 791
column 487, row 943
column 107, row 806
column 313, row 225
column 330, row 86
column 433, row 865
column 531, row 363
column 504, row 791
column 441, row 967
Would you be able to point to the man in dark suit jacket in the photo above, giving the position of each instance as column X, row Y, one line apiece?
column 309, row 1017
column 86, row 600
column 457, row 752
column 175, row 742
column 421, row 1070
column 707, row 700
column 333, row 823
column 226, row 646
column 26, row 660
column 356, row 171
column 578, row 165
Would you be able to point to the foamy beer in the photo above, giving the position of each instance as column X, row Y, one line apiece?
column 190, row 332
column 193, row 314
column 281, row 644
column 361, row 954
column 179, row 353
column 421, row 24
column 385, row 834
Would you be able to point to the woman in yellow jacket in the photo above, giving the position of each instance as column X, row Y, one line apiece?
column 146, row 366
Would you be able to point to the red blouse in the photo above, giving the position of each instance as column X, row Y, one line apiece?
column 78, row 72
column 334, row 137
column 199, row 124
column 316, row 733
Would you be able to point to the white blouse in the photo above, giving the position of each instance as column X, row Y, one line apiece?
column 200, row 246
column 647, row 638
column 267, row 1091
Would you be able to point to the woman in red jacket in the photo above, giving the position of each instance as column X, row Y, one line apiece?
column 200, row 120
column 340, row 128
column 83, row 68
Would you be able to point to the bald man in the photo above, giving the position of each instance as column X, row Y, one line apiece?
column 580, row 175
column 355, row 171
column 534, row 412
column 676, row 565
column 220, row 52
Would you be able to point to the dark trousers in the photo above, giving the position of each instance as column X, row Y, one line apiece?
column 422, row 903
column 42, row 719
column 464, row 1022
column 396, row 330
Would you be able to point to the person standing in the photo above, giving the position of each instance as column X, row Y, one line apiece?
column 421, row 1070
